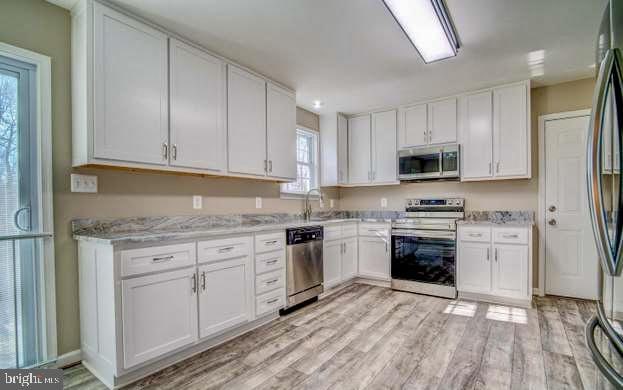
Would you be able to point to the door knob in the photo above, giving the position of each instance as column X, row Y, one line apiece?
column 552, row 208
column 552, row 222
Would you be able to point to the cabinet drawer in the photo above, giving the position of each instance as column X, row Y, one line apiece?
column 270, row 261
column 373, row 230
column 349, row 230
column 222, row 249
column 332, row 232
column 269, row 281
column 158, row 258
column 269, row 242
column 510, row 235
column 475, row 234
column 270, row 302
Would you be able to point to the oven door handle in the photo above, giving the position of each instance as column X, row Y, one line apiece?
column 451, row 235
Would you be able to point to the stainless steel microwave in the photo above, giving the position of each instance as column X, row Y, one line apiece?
column 427, row 163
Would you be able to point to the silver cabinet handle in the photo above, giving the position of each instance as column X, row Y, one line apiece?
column 510, row 235
column 425, row 136
column 552, row 208
column 165, row 151
column 174, row 151
column 270, row 166
column 265, row 165
column 271, row 262
column 226, row 249
column 272, row 301
column 203, row 281
column 488, row 253
column 496, row 255
column 162, row 259
column 475, row 234
column 272, row 281
column 271, row 243
column 489, row 168
column 552, row 222
column 194, row 283
column 497, row 167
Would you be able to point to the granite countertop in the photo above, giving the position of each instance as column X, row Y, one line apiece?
column 161, row 229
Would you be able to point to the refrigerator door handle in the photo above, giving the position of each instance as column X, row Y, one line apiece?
column 602, row 364
column 609, row 71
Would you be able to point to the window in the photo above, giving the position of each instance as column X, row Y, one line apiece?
column 306, row 163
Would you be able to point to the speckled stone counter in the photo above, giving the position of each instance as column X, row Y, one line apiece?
column 506, row 218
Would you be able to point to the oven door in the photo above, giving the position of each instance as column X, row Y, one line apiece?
column 424, row 256
column 419, row 164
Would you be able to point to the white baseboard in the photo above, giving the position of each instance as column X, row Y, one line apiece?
column 69, row 359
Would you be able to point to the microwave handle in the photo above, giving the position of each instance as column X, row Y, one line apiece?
column 440, row 162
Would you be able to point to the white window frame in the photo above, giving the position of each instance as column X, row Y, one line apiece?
column 43, row 116
column 285, row 193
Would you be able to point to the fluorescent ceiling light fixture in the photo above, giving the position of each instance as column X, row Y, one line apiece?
column 427, row 25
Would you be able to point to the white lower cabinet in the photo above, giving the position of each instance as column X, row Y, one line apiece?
column 270, row 273
column 339, row 253
column 349, row 258
column 224, row 295
column 159, row 314
column 332, row 262
column 374, row 258
column 495, row 263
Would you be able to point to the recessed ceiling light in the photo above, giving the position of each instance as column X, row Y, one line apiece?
column 427, row 25
column 318, row 104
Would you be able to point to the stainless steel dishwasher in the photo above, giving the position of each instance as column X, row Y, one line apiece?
column 303, row 264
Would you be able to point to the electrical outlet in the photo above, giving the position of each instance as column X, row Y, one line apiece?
column 197, row 202
column 331, row 203
column 83, row 183
column 383, row 203
column 258, row 202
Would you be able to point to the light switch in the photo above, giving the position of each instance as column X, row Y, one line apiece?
column 383, row 203
column 83, row 183
column 197, row 202
column 258, row 202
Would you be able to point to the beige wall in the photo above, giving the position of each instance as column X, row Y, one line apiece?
column 495, row 195
column 44, row 28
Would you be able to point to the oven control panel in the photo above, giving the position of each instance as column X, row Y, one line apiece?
column 412, row 204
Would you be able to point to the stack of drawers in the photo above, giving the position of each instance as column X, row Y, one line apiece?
column 270, row 273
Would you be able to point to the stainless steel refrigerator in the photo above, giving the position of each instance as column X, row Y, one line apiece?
column 604, row 331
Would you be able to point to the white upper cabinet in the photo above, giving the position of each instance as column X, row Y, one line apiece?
column 384, row 147
column 413, row 129
column 198, row 108
column 130, row 101
column 442, row 121
column 281, row 132
column 359, row 164
column 511, row 147
column 246, row 122
column 342, row 149
column 476, row 136
column 334, row 149
column 495, row 133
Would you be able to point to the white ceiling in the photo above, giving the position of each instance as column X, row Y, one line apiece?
column 352, row 55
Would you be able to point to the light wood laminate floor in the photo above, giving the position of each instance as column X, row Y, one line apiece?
column 376, row 338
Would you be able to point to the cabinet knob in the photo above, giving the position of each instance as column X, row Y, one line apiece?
column 552, row 222
column 552, row 208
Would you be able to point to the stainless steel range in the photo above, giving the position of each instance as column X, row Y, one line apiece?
column 424, row 247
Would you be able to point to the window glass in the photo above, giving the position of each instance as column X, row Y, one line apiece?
column 306, row 161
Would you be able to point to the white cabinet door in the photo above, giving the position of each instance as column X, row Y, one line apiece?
column 476, row 136
column 159, row 314
column 281, row 132
column 342, row 149
column 511, row 148
column 130, row 89
column 384, row 147
column 474, row 267
column 246, row 122
column 349, row 258
column 374, row 258
column 359, row 136
column 225, row 295
column 442, row 121
column 413, row 127
column 510, row 270
column 332, row 262
column 198, row 134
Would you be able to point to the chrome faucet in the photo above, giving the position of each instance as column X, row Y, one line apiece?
column 308, row 209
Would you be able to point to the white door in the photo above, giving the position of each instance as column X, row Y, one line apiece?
column 384, row 147
column 374, row 258
column 224, row 295
column 332, row 262
column 510, row 271
column 413, row 129
column 442, row 121
column 476, row 136
column 198, row 133
column 159, row 314
column 359, row 135
column 246, row 122
column 130, row 89
column 474, row 267
column 281, row 132
column 510, row 131
column 570, row 254
column 349, row 258
column 342, row 149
